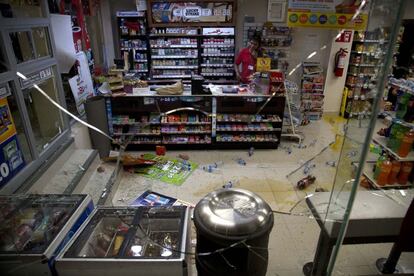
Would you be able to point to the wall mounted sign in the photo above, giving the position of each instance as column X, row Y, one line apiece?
column 331, row 14
column 5, row 91
column 276, row 10
column 36, row 78
column 345, row 37
column 195, row 13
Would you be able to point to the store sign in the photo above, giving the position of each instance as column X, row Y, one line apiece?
column 11, row 158
column 4, row 91
column 263, row 64
column 332, row 14
column 345, row 37
column 181, row 12
column 36, row 78
column 81, row 85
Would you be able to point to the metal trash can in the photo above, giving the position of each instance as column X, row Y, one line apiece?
column 233, row 227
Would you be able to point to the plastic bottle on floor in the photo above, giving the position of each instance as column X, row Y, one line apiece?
column 396, row 167
column 406, row 168
column 386, row 167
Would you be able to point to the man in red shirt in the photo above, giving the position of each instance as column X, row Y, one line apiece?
column 247, row 58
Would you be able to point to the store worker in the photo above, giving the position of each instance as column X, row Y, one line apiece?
column 247, row 58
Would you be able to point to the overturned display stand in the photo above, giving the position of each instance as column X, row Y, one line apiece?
column 34, row 228
column 129, row 241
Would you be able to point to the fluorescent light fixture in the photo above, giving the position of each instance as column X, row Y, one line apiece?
column 311, row 55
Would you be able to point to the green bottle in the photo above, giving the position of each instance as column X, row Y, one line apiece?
column 402, row 106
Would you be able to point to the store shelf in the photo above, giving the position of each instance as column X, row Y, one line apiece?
column 172, row 57
column 139, row 71
column 364, row 65
column 174, row 46
column 176, row 67
column 186, row 132
column 216, row 74
column 174, row 35
column 132, row 48
column 382, row 141
column 263, row 141
column 361, row 74
column 216, row 65
column 239, row 121
column 369, row 174
column 249, row 130
column 186, row 123
column 140, row 60
column 402, row 87
column 217, row 45
column 371, row 40
column 276, row 47
column 364, row 53
column 136, row 123
column 145, row 143
column 399, row 121
column 217, row 55
column 133, row 36
column 171, row 76
column 136, row 134
column 184, row 143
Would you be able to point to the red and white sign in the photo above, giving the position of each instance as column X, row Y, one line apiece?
column 345, row 37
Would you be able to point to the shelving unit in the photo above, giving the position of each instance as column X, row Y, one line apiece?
column 174, row 52
column 366, row 53
column 217, row 54
column 276, row 41
column 132, row 27
column 387, row 145
column 312, row 90
column 205, row 122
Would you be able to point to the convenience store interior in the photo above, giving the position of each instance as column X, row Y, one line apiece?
column 131, row 103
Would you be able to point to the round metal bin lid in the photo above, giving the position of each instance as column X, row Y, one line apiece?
column 233, row 212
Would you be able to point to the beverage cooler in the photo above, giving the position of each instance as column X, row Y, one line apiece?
column 129, row 241
column 34, row 228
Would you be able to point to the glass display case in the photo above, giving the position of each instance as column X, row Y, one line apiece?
column 33, row 228
column 129, row 241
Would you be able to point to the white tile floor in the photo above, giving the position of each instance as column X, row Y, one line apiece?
column 293, row 238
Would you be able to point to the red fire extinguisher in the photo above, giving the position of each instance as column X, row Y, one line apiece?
column 340, row 59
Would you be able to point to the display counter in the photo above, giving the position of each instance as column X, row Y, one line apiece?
column 218, row 120
column 148, row 241
column 34, row 228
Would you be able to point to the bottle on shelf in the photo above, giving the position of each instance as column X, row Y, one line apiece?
column 402, row 106
column 385, row 170
column 406, row 144
column 406, row 168
column 377, row 167
column 396, row 167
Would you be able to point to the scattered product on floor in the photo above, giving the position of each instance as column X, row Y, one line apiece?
column 168, row 170
column 213, row 167
column 150, row 198
column 331, row 163
column 184, row 156
column 100, row 169
column 160, row 150
column 305, row 182
column 251, row 151
column 130, row 161
column 241, row 161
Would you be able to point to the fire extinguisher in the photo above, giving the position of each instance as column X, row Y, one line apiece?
column 340, row 59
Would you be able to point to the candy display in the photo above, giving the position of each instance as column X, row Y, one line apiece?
column 247, row 118
column 246, row 137
column 245, row 127
column 187, row 139
column 186, row 129
column 185, row 118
